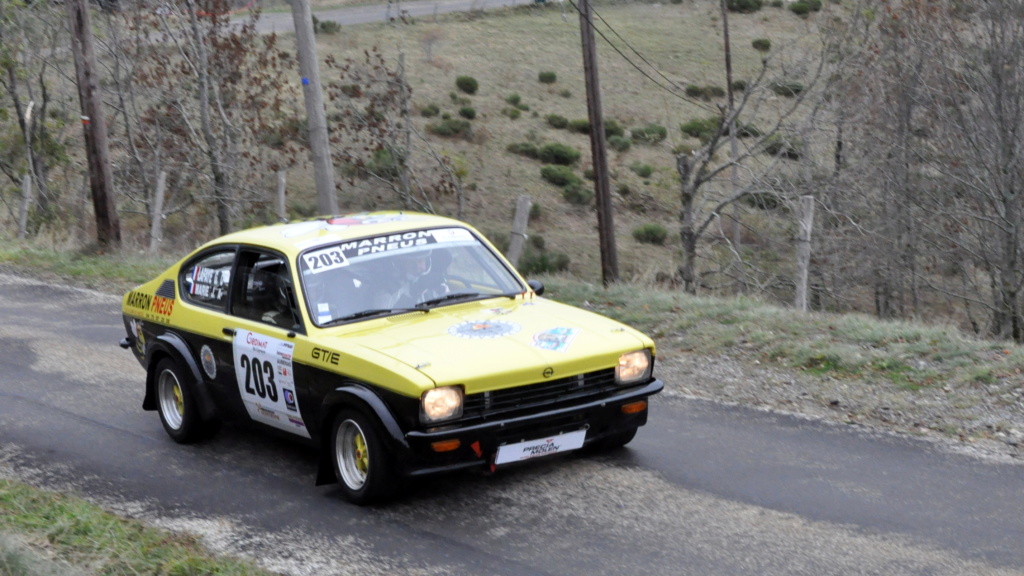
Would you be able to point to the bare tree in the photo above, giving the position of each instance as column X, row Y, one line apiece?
column 205, row 92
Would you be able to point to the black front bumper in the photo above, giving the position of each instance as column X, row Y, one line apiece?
column 479, row 442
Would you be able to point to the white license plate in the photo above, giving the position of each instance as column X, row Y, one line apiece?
column 541, row 447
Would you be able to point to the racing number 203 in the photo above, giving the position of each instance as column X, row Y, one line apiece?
column 259, row 378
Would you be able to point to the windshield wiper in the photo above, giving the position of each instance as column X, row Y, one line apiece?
column 374, row 312
column 448, row 297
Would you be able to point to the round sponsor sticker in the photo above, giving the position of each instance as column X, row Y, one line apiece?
column 209, row 362
column 483, row 329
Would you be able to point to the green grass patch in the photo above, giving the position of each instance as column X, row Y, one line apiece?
column 70, row 532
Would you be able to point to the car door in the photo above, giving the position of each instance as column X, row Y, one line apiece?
column 263, row 325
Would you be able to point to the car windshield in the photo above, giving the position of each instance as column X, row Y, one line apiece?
column 406, row 271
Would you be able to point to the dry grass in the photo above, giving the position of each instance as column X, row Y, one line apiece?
column 506, row 49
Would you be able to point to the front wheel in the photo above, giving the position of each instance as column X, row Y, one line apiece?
column 361, row 463
column 177, row 405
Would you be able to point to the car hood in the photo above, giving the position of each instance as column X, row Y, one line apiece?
column 498, row 343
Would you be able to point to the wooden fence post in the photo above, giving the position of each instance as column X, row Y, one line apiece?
column 803, row 250
column 519, row 222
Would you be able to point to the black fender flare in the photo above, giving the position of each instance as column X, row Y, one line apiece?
column 358, row 397
column 171, row 345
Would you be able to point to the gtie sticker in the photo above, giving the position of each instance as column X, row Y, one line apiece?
column 263, row 369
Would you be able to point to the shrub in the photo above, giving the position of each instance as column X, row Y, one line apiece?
column 649, row 134
column 694, row 91
column 800, row 8
column 535, row 213
column 779, row 146
column 450, row 127
column 533, row 262
column 527, row 149
column 739, row 85
column 623, row 189
column 787, row 88
column 743, row 6
column 650, row 234
column 566, row 93
column 612, row 128
column 582, row 126
column 555, row 153
column 512, row 113
column 467, row 84
column 559, row 175
column 547, row 77
column 556, row 121
column 467, row 112
column 325, row 26
column 619, row 143
column 642, row 170
column 762, row 44
column 385, row 164
column 577, row 194
column 701, row 129
column 513, row 99
column 430, row 110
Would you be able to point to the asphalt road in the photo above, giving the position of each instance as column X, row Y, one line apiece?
column 704, row 489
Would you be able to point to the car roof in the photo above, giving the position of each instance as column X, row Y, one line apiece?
column 294, row 237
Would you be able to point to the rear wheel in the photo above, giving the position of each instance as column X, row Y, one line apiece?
column 177, row 405
column 361, row 463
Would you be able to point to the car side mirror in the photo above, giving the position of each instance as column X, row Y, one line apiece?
column 536, row 286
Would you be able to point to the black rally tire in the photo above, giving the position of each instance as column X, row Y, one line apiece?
column 176, row 403
column 361, row 462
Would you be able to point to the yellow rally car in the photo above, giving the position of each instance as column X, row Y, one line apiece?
column 400, row 344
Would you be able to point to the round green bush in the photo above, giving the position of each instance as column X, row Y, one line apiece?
column 467, row 112
column 430, row 110
column 467, row 84
column 743, row 6
column 547, row 77
column 650, row 234
column 556, row 153
column 649, row 134
column 450, row 127
column 761, row 44
column 559, row 175
column 513, row 99
column 512, row 113
column 619, row 143
column 642, row 170
column 527, row 149
column 613, row 128
column 533, row 262
column 582, row 126
column 800, row 8
column 556, row 121
column 578, row 195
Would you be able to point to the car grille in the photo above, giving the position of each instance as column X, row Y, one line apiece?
column 548, row 394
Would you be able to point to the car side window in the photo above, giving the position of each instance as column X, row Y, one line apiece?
column 264, row 291
column 205, row 281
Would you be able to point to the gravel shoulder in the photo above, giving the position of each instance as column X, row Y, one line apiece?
column 982, row 421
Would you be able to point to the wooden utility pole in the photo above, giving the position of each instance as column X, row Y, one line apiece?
column 598, row 150
column 319, row 145
column 101, row 178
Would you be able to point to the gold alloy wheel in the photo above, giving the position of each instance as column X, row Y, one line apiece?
column 352, row 454
column 172, row 401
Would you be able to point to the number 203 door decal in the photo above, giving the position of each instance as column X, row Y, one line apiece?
column 263, row 369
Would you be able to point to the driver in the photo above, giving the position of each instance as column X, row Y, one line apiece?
column 415, row 280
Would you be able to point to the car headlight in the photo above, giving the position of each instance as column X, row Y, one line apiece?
column 633, row 367
column 440, row 404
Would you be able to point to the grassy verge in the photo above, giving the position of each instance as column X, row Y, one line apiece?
column 84, row 269
column 908, row 355
column 42, row 533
